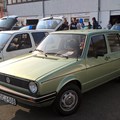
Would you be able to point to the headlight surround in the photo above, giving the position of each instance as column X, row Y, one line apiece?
column 33, row 87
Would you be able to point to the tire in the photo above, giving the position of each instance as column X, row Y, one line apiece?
column 68, row 100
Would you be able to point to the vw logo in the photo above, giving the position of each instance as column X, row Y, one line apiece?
column 7, row 79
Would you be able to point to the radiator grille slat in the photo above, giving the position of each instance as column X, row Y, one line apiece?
column 14, row 81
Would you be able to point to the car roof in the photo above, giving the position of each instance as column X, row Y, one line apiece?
column 90, row 31
column 117, row 24
column 12, row 16
column 51, row 17
column 21, row 31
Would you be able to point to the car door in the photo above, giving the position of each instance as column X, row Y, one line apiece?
column 114, row 54
column 97, row 62
column 1, row 56
column 19, row 45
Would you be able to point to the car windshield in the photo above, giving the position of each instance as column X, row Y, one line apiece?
column 4, row 37
column 64, row 45
column 48, row 23
column 115, row 27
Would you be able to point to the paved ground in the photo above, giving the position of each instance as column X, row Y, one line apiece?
column 101, row 103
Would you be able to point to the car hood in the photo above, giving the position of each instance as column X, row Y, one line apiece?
column 33, row 67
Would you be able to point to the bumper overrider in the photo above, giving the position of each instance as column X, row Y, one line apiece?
column 26, row 99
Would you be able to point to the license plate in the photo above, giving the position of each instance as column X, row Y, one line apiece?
column 7, row 99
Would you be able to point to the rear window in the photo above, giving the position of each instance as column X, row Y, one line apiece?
column 114, row 42
column 48, row 23
column 7, row 23
column 97, row 44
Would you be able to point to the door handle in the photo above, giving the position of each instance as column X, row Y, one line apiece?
column 107, row 58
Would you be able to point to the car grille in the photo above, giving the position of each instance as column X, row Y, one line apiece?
column 14, row 81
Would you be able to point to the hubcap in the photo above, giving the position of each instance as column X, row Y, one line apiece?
column 68, row 100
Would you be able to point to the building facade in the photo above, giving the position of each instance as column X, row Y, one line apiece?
column 103, row 10
column 1, row 8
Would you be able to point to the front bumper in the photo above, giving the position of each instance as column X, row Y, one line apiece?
column 26, row 99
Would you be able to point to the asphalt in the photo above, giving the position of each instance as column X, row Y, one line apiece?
column 101, row 103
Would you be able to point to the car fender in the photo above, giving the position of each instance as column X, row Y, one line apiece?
column 66, row 80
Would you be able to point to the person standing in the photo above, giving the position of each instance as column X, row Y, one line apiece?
column 65, row 25
column 82, row 23
column 95, row 23
column 73, row 24
column 89, row 25
column 109, row 25
column 78, row 24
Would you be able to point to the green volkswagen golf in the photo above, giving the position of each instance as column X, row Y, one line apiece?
column 64, row 65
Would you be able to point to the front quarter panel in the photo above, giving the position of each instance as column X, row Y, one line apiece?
column 56, row 81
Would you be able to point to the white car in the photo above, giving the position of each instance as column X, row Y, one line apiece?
column 50, row 24
column 14, row 43
column 116, row 27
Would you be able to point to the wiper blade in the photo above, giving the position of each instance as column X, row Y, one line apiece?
column 49, row 54
column 62, row 55
column 57, row 54
column 39, row 50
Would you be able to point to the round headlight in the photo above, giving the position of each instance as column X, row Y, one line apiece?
column 33, row 87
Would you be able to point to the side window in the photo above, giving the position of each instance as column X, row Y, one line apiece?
column 97, row 46
column 38, row 37
column 21, row 41
column 114, row 42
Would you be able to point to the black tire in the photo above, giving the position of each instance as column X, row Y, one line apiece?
column 68, row 100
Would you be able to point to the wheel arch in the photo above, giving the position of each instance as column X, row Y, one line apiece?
column 68, row 81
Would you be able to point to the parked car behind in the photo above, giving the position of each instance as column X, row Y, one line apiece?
column 115, row 27
column 64, row 65
column 28, row 27
column 14, row 43
column 7, row 22
column 50, row 24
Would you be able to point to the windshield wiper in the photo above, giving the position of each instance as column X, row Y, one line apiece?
column 39, row 50
column 56, row 54
column 61, row 55
column 49, row 54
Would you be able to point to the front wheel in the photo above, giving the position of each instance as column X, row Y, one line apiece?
column 68, row 100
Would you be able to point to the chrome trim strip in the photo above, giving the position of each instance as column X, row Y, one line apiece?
column 27, row 98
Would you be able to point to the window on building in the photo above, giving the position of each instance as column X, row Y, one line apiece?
column 9, row 1
column 19, row 1
column 24, row 0
column 14, row 1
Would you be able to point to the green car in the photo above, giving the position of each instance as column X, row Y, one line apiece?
column 65, row 65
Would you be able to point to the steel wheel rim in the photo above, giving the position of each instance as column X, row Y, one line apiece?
column 69, row 100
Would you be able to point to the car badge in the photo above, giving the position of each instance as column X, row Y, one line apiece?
column 8, row 80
